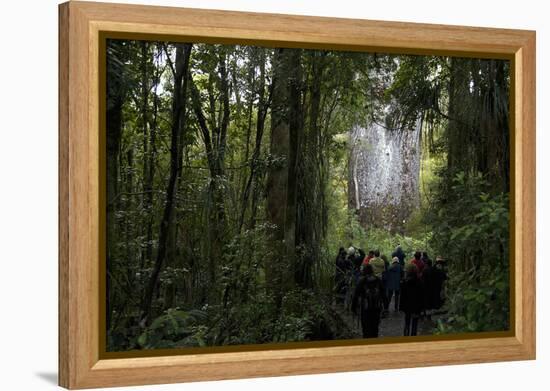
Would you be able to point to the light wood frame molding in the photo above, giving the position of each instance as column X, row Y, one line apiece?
column 80, row 23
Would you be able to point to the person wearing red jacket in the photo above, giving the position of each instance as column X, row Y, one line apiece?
column 368, row 258
column 417, row 261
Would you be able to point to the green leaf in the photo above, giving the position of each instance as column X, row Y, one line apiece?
column 142, row 339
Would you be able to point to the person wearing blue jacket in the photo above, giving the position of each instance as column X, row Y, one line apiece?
column 393, row 282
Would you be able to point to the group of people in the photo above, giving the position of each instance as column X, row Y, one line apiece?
column 367, row 283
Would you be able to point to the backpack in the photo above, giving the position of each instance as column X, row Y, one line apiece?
column 372, row 299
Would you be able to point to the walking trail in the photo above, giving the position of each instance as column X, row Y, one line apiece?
column 391, row 325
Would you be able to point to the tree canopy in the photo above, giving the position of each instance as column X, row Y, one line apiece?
column 230, row 187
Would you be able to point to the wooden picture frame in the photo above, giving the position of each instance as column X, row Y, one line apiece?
column 81, row 25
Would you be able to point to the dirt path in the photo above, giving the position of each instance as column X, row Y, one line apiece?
column 390, row 326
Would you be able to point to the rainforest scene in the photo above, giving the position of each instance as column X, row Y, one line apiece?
column 268, row 195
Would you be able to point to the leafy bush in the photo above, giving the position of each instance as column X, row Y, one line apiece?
column 471, row 230
column 303, row 315
column 175, row 328
column 477, row 305
column 386, row 242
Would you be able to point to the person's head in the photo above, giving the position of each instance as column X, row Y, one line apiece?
column 341, row 250
column 376, row 253
column 398, row 248
column 351, row 250
column 368, row 270
column 425, row 255
column 395, row 260
column 417, row 255
column 371, row 253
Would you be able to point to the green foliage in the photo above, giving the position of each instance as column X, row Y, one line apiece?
column 175, row 328
column 346, row 230
column 303, row 315
column 248, row 314
column 472, row 233
column 477, row 301
column 211, row 289
column 243, row 264
column 416, row 87
column 386, row 242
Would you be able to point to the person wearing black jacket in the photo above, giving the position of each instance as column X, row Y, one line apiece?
column 343, row 265
column 368, row 296
column 355, row 258
column 400, row 255
column 439, row 277
column 428, row 281
column 412, row 300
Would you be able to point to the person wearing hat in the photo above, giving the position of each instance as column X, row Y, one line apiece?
column 400, row 255
column 439, row 277
column 355, row 258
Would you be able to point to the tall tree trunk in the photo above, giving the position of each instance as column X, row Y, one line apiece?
column 277, row 180
column 478, row 128
column 494, row 122
column 281, row 181
column 457, row 130
column 114, row 125
column 129, row 225
column 295, row 149
column 263, row 105
column 214, row 135
column 181, row 77
column 151, row 166
column 310, row 187
column 115, row 100
column 147, row 180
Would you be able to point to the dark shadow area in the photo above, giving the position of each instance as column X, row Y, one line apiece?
column 49, row 377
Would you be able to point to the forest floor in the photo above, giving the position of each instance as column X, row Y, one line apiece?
column 391, row 325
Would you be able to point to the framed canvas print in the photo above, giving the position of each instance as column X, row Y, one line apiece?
column 247, row 195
